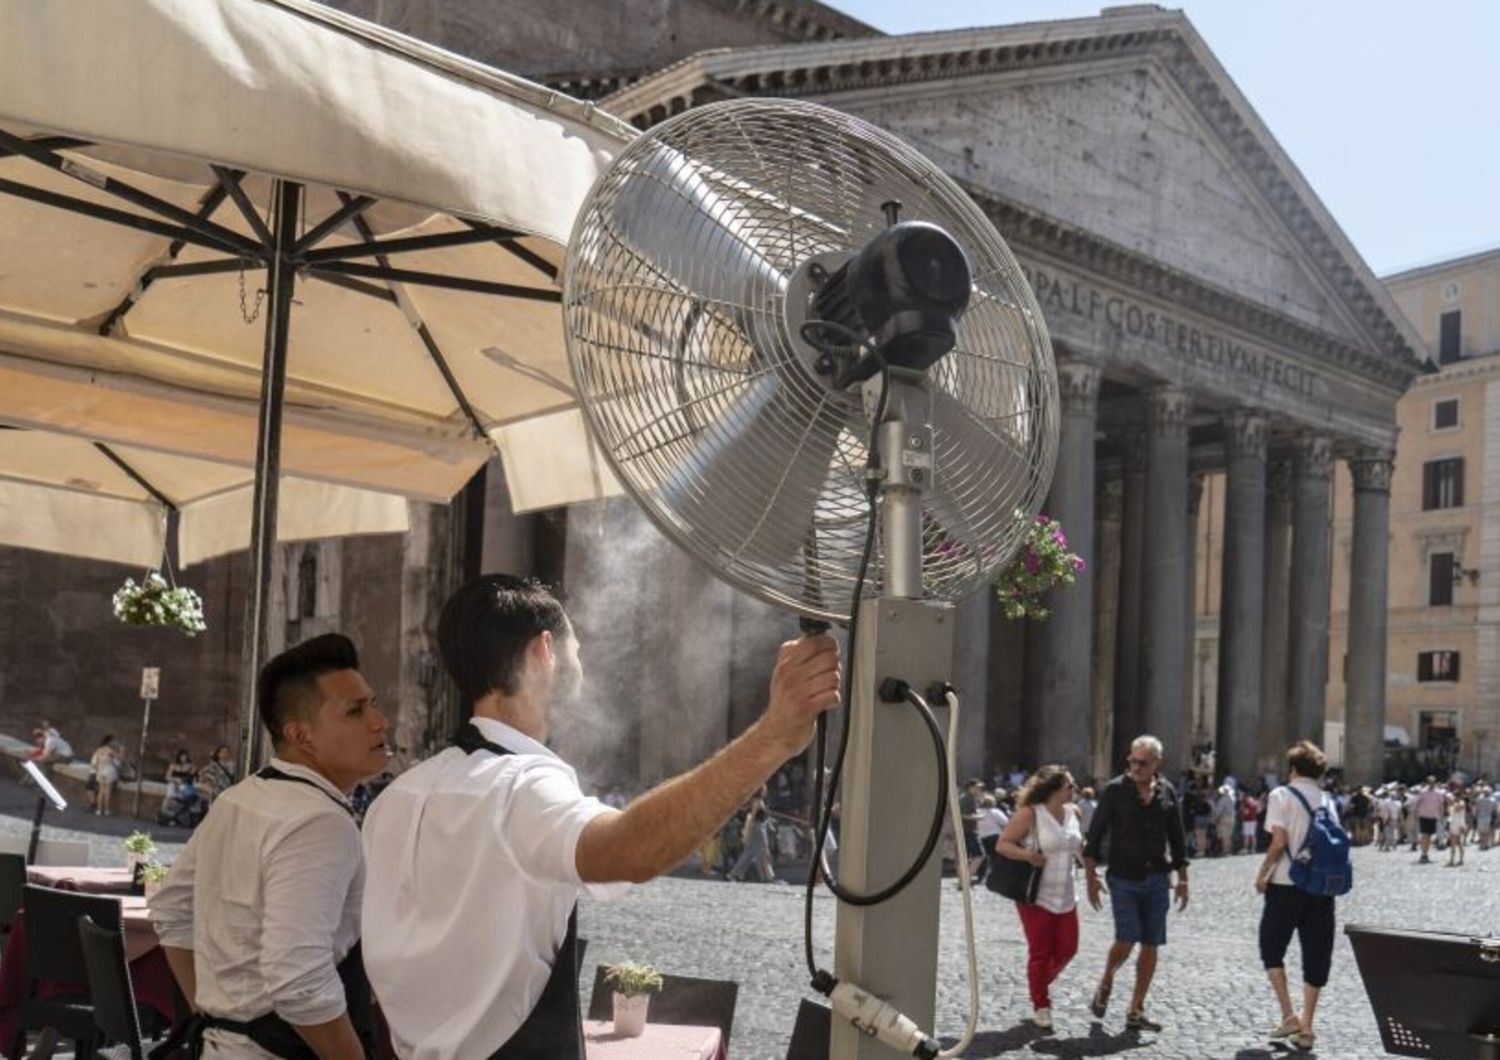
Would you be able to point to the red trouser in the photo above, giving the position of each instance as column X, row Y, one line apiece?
column 1051, row 941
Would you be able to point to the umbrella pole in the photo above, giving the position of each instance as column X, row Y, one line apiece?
column 280, row 280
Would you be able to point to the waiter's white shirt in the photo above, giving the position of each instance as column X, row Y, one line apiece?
column 267, row 896
column 472, row 876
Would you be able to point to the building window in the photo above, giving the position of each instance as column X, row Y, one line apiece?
column 1443, row 484
column 1437, row 666
column 1437, row 729
column 1440, row 579
column 1448, row 336
column 1445, row 414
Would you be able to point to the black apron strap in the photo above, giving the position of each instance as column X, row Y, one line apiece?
column 554, row 1028
column 272, row 773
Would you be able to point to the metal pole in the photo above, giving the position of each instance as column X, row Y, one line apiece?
column 281, row 279
column 140, row 758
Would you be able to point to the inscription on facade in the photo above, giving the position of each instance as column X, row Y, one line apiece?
column 1058, row 293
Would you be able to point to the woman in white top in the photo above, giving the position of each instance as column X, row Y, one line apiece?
column 1458, row 829
column 105, row 763
column 1045, row 830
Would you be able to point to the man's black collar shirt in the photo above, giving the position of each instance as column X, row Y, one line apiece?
column 1140, row 834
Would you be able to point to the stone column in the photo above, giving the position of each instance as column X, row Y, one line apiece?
column 1364, row 711
column 1164, row 570
column 1241, row 608
column 1275, row 726
column 1128, row 718
column 1061, row 703
column 1311, row 572
column 1192, row 732
column 1106, row 564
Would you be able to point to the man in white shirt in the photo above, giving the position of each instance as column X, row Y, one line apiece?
column 477, row 855
column 259, row 917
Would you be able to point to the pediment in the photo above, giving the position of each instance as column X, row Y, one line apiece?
column 1119, row 153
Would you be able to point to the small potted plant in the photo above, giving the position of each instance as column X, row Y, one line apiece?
column 139, row 849
column 633, row 985
column 1042, row 565
column 153, row 875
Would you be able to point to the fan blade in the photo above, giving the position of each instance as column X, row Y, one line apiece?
column 753, row 481
column 976, row 461
column 693, row 233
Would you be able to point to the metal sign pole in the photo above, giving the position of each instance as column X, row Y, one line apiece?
column 150, row 686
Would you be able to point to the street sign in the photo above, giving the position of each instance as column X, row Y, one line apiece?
column 150, row 681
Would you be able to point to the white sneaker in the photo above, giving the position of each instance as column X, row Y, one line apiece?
column 1042, row 1017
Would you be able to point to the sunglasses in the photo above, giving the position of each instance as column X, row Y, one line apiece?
column 1138, row 762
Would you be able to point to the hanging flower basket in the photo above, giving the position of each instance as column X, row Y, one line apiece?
column 1043, row 564
column 152, row 602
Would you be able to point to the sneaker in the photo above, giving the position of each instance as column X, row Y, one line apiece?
column 1042, row 1017
column 1286, row 1028
column 1099, row 1004
column 1137, row 1020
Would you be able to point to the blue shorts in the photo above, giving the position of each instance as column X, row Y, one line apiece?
column 1140, row 908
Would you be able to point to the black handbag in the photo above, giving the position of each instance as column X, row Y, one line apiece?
column 1016, row 880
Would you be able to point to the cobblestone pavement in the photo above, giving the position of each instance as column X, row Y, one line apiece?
column 103, row 834
column 1210, row 991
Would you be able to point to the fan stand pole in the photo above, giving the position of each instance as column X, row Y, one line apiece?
column 891, row 775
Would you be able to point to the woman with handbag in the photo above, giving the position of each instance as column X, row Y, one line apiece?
column 1040, row 846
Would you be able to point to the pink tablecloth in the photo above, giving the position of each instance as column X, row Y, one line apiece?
column 660, row 1042
column 86, row 878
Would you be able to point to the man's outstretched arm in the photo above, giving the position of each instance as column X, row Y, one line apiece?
column 662, row 827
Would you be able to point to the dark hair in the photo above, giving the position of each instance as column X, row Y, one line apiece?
column 1044, row 783
column 485, row 627
column 1306, row 759
column 106, row 741
column 286, row 683
column 182, row 752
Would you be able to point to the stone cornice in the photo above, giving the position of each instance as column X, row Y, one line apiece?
column 1164, row 38
column 1030, row 229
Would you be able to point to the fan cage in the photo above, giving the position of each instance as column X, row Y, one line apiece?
column 701, row 399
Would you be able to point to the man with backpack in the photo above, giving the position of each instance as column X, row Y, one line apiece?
column 1305, row 868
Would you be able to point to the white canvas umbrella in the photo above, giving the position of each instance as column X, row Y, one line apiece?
column 68, row 495
column 263, row 233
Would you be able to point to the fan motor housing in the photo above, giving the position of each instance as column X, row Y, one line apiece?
column 905, row 290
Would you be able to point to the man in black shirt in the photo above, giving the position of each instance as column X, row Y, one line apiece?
column 1141, row 821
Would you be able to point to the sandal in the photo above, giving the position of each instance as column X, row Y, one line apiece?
column 1099, row 1004
column 1304, row 1041
column 1286, row 1028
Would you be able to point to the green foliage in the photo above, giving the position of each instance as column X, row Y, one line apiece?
column 1043, row 564
column 154, row 872
column 632, row 979
column 153, row 602
column 139, row 844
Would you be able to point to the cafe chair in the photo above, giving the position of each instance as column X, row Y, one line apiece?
column 682, row 1000
column 811, row 1032
column 12, row 885
column 113, row 998
column 54, row 955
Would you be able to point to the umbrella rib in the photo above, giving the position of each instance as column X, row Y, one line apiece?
column 136, row 476
column 529, row 256
column 52, row 143
column 121, row 190
column 229, row 180
column 435, row 241
column 210, row 202
column 100, row 212
column 353, row 206
column 434, row 279
column 349, row 283
column 434, row 351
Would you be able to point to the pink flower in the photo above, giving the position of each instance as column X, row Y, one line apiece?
column 1078, row 563
column 1032, row 562
column 1059, row 539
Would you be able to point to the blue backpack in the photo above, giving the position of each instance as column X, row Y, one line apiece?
column 1322, row 866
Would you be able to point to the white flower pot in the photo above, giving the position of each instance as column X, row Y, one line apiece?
column 630, row 1014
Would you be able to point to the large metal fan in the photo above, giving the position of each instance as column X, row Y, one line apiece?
column 703, row 337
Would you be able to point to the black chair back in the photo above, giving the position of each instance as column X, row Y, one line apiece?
column 12, row 885
column 109, row 985
column 683, row 1000
column 811, row 1032
column 53, row 951
column 46, row 1045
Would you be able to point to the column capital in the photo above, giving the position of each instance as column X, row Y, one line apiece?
column 1167, row 409
column 1245, row 433
column 1371, row 469
column 1078, row 386
column 1109, row 501
column 1313, row 458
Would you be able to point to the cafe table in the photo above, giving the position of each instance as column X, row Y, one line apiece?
column 90, row 879
column 661, row 1041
